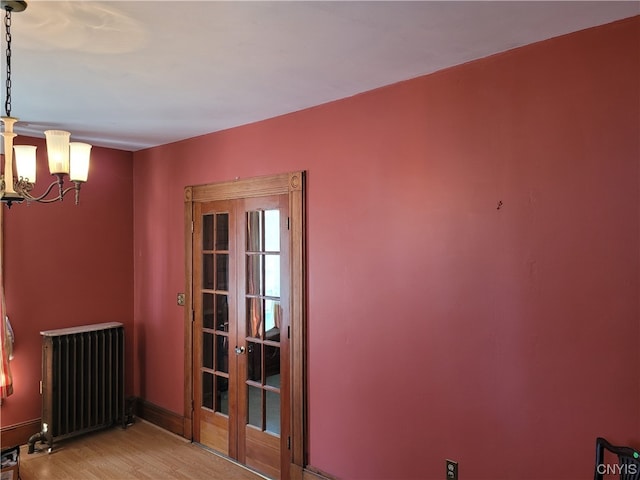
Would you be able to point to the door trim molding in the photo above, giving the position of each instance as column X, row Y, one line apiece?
column 292, row 184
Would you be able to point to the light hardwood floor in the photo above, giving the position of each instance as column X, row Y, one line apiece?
column 141, row 451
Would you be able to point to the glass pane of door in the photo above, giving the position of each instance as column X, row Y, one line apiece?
column 214, row 312
column 263, row 317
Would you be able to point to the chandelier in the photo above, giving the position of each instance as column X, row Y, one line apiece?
column 65, row 157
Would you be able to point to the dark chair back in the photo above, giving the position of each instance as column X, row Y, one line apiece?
column 628, row 467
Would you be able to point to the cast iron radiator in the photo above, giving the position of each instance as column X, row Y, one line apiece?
column 82, row 381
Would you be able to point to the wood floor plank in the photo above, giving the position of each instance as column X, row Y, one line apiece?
column 141, row 451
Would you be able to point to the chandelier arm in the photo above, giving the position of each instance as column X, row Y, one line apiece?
column 42, row 198
column 75, row 188
column 24, row 189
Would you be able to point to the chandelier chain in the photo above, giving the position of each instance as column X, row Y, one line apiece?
column 7, row 26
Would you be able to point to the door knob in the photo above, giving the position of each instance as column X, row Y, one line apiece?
column 239, row 350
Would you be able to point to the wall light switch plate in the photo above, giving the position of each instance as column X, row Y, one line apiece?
column 452, row 470
column 181, row 299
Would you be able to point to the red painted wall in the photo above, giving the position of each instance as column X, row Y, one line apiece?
column 67, row 265
column 440, row 324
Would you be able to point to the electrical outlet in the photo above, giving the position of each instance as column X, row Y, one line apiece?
column 181, row 299
column 452, row 470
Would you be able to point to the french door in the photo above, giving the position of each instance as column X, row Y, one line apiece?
column 241, row 293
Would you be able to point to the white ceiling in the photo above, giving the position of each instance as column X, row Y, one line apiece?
column 131, row 75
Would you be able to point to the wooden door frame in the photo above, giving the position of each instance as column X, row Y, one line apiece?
column 293, row 185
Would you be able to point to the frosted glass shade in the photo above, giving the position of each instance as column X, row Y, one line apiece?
column 79, row 161
column 58, row 150
column 26, row 162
